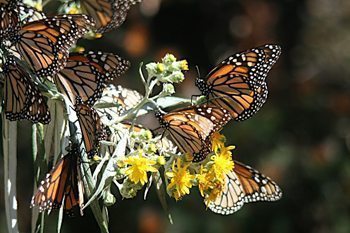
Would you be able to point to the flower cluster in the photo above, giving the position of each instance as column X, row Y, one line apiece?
column 209, row 176
column 144, row 160
column 169, row 70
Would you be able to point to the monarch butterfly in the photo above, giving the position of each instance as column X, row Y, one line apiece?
column 243, row 185
column 91, row 128
column 23, row 99
column 109, row 14
column 61, row 186
column 44, row 43
column 85, row 75
column 9, row 19
column 238, row 83
column 117, row 100
column 191, row 128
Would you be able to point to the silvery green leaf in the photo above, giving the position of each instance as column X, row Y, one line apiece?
column 108, row 198
column 101, row 104
column 109, row 171
column 54, row 131
column 99, row 167
column 169, row 101
column 105, row 214
column 161, row 192
column 149, row 184
column 60, row 219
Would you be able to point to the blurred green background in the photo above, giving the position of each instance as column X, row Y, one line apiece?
column 300, row 138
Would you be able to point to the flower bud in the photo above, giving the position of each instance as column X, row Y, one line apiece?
column 168, row 89
column 168, row 59
column 161, row 160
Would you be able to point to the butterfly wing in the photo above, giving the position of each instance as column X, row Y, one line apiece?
column 60, row 187
column 110, row 64
column 238, row 83
column 191, row 128
column 109, row 14
column 115, row 101
column 23, row 99
column 91, row 128
column 85, row 75
column 44, row 44
column 232, row 197
column 9, row 22
column 257, row 187
column 188, row 131
column 243, row 185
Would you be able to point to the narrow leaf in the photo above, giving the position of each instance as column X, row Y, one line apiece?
column 170, row 101
column 162, row 194
column 9, row 137
column 109, row 172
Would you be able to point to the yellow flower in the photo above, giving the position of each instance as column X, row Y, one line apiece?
column 215, row 192
column 226, row 151
column 38, row 6
column 73, row 10
column 209, row 186
column 222, row 164
column 218, row 141
column 212, row 178
column 138, row 168
column 180, row 179
column 98, row 35
column 204, row 180
column 183, row 65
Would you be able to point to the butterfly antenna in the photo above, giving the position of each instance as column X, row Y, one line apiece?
column 198, row 72
column 198, row 77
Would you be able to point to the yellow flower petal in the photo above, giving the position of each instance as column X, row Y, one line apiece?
column 137, row 169
column 180, row 179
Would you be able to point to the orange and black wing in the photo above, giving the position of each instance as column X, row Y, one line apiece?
column 238, row 83
column 244, row 185
column 85, row 75
column 44, row 44
column 256, row 186
column 91, row 128
column 60, row 187
column 109, row 14
column 9, row 22
column 23, row 99
column 191, row 128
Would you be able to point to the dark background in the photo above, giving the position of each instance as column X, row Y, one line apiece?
column 300, row 138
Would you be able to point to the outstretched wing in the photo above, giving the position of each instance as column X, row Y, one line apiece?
column 243, row 185
column 238, row 83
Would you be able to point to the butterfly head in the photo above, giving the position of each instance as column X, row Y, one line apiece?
column 160, row 117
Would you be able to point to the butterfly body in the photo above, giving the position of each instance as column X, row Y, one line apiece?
column 238, row 83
